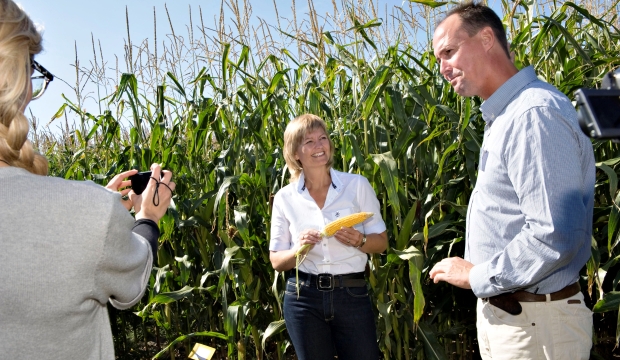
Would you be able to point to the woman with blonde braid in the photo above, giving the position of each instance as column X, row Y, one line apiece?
column 68, row 247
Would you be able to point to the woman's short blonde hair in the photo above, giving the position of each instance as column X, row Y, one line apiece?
column 19, row 42
column 294, row 134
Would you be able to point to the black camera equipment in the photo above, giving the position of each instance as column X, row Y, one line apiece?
column 598, row 111
column 139, row 181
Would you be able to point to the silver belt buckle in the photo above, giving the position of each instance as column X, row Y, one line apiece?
column 325, row 282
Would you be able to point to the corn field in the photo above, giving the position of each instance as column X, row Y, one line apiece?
column 212, row 106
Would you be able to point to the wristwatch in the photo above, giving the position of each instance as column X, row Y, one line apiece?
column 362, row 243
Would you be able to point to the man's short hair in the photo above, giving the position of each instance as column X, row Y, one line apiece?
column 477, row 16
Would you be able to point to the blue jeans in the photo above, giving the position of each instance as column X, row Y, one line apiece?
column 323, row 324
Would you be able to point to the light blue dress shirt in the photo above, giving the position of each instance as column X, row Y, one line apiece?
column 529, row 220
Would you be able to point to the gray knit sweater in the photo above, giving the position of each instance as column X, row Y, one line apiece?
column 66, row 249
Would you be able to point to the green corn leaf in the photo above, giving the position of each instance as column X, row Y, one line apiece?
column 228, row 181
column 385, row 311
column 389, row 176
column 274, row 328
column 230, row 324
column 299, row 39
column 612, row 226
column 59, row 113
column 360, row 28
column 445, row 154
column 570, row 38
column 375, row 88
column 416, row 261
column 168, row 297
column 405, row 231
column 610, row 302
column 432, row 348
column 429, row 3
column 611, row 175
column 354, row 144
column 179, row 88
column 609, row 162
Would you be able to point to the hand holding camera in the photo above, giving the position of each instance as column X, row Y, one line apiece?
column 148, row 196
column 138, row 181
column 152, row 202
column 117, row 183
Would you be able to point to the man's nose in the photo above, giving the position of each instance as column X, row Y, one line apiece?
column 444, row 68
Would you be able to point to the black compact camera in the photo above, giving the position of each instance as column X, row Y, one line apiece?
column 598, row 111
column 139, row 181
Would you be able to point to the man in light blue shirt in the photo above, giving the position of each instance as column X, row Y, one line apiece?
column 529, row 219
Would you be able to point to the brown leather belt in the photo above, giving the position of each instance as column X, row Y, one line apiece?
column 510, row 302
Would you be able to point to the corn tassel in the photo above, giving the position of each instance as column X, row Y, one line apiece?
column 329, row 230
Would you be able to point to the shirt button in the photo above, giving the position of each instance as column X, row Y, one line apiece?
column 324, row 244
column 326, row 260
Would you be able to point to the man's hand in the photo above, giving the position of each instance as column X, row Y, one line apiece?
column 452, row 270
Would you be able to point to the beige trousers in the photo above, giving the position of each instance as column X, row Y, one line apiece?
column 559, row 329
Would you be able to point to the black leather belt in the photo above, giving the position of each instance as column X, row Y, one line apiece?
column 510, row 302
column 327, row 282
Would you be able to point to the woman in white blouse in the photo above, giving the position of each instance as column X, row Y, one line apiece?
column 332, row 313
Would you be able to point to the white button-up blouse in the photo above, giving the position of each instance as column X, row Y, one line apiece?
column 294, row 211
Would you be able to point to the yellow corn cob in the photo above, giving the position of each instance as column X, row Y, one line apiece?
column 347, row 221
column 329, row 230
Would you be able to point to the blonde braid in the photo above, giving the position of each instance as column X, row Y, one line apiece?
column 17, row 34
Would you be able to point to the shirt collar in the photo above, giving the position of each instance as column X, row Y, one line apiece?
column 494, row 105
column 337, row 184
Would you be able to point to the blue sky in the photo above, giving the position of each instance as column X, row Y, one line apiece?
column 70, row 23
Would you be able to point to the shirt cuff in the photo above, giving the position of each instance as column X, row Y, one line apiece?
column 479, row 280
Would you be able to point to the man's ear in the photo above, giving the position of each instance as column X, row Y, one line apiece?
column 487, row 37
